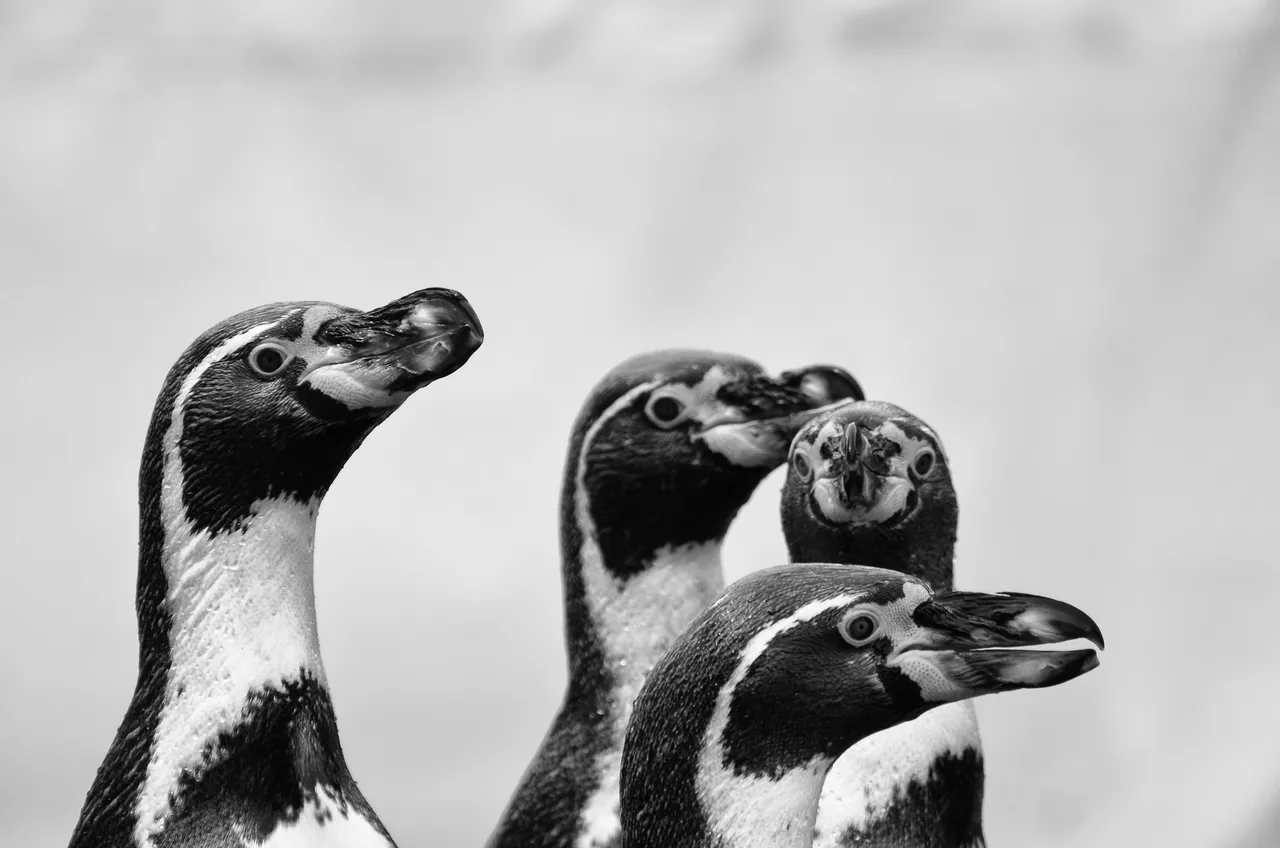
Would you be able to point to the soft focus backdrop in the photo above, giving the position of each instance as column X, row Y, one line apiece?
column 1050, row 229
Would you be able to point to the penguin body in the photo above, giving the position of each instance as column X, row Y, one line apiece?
column 870, row 484
column 666, row 450
column 230, row 737
column 735, row 729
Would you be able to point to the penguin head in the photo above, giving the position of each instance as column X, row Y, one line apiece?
column 670, row 445
column 869, row 483
column 799, row 662
column 273, row 401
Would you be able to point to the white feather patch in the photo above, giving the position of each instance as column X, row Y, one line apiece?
column 862, row 783
column 323, row 824
column 636, row 622
column 751, row 810
column 243, row 615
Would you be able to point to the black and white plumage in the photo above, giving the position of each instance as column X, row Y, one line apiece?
column 667, row 449
column 735, row 729
column 230, row 738
column 869, row 484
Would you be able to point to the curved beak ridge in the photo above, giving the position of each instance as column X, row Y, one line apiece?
column 377, row 358
column 975, row 644
column 767, row 413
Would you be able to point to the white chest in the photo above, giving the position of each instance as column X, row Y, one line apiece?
column 323, row 824
column 861, row 785
column 636, row 622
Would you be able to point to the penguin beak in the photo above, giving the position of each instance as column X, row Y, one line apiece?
column 756, row 426
column 378, row 358
column 860, row 484
column 971, row 644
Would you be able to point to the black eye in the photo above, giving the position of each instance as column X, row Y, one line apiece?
column 664, row 410
column 268, row 359
column 924, row 463
column 859, row 628
column 800, row 463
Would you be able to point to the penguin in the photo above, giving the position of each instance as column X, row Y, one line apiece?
column 230, row 738
column 666, row 449
column 736, row 727
column 869, row 484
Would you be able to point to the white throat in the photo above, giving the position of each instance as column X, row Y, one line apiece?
column 242, row 610
column 870, row 778
column 762, row 812
column 636, row 621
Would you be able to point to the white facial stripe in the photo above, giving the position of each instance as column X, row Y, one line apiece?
column 862, row 784
column 829, row 433
column 699, row 400
column 314, row 317
column 322, row 823
column 745, row 810
column 759, row 811
column 636, row 622
column 242, row 609
column 911, row 446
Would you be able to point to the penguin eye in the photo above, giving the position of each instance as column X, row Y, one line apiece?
column 859, row 627
column 923, row 463
column 802, row 466
column 664, row 410
column 269, row 359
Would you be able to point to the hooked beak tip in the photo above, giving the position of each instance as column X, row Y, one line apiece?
column 1048, row 621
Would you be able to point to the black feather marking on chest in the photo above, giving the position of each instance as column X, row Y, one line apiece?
column 263, row 773
column 944, row 810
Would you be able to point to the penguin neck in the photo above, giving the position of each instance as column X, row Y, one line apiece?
column 763, row 811
column 626, row 601
column 618, row 624
column 634, row 620
column 242, row 604
column 227, row 630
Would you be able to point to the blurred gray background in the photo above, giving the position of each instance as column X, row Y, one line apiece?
column 1050, row 229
